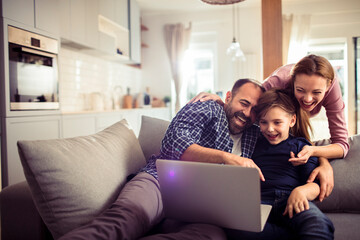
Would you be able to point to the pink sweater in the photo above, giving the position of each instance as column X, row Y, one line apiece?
column 332, row 102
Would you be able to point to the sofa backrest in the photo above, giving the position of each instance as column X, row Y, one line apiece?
column 346, row 193
column 151, row 133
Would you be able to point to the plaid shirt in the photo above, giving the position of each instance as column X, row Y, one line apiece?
column 205, row 124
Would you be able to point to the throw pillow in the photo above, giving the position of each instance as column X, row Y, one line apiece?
column 72, row 180
column 151, row 133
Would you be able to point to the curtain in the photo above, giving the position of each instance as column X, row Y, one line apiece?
column 287, row 21
column 299, row 38
column 177, row 39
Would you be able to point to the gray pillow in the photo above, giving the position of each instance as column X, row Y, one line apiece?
column 151, row 134
column 346, row 193
column 72, row 180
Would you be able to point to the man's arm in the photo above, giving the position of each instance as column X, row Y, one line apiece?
column 196, row 152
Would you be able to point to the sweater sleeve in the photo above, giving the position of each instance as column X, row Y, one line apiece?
column 334, row 106
column 280, row 78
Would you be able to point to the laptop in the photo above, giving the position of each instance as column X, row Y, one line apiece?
column 223, row 195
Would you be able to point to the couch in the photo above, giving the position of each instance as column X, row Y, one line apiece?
column 69, row 181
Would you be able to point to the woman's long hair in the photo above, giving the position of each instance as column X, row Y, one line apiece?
column 282, row 98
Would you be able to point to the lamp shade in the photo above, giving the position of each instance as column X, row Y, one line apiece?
column 222, row 2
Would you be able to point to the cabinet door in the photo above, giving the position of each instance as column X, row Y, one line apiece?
column 19, row 10
column 47, row 16
column 107, row 9
column 26, row 128
column 77, row 20
column 64, row 8
column 92, row 23
column 121, row 13
column 135, row 32
column 81, row 125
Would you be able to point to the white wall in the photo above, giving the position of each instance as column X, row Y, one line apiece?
column 155, row 64
column 330, row 19
column 334, row 19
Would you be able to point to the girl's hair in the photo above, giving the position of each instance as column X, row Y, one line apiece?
column 313, row 65
column 282, row 98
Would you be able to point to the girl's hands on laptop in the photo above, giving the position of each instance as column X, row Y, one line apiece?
column 244, row 162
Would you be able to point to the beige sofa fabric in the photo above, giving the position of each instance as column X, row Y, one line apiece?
column 74, row 179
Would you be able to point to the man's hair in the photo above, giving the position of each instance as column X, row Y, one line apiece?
column 242, row 81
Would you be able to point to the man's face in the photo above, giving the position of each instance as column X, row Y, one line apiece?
column 239, row 108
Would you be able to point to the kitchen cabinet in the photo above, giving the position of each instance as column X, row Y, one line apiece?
column 115, row 10
column 78, row 125
column 41, row 14
column 26, row 128
column 73, row 20
column 135, row 32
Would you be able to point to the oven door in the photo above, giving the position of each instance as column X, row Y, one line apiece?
column 33, row 76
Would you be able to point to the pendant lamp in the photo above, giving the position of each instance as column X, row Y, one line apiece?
column 222, row 2
column 234, row 49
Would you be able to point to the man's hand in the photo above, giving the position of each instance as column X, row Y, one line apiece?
column 297, row 202
column 244, row 162
column 325, row 175
column 302, row 157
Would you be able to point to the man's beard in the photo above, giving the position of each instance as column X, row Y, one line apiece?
column 233, row 127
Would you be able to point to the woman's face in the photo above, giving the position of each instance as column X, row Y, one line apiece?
column 309, row 90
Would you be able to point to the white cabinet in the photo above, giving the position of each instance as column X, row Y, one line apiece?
column 135, row 32
column 78, row 125
column 26, row 128
column 41, row 14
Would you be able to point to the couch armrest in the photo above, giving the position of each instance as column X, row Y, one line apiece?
column 19, row 216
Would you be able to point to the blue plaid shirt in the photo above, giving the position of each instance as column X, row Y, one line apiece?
column 205, row 124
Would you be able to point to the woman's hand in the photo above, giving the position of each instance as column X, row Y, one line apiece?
column 303, row 156
column 325, row 174
column 297, row 202
column 203, row 97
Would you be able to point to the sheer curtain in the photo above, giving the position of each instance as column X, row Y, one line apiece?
column 299, row 37
column 287, row 21
column 177, row 39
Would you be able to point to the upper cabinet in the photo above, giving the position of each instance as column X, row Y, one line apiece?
column 41, row 14
column 135, row 32
column 109, row 28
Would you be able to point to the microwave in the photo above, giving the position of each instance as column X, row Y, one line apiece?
column 33, row 71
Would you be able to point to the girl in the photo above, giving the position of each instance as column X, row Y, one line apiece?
column 284, row 128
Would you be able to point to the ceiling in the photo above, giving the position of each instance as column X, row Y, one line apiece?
column 151, row 7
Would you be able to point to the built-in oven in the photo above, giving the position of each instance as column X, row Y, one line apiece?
column 33, row 71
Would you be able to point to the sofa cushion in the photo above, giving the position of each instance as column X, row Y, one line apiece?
column 151, row 133
column 72, row 180
column 346, row 193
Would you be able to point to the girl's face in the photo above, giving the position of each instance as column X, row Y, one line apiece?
column 309, row 90
column 275, row 125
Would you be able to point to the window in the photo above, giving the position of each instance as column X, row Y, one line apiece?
column 198, row 67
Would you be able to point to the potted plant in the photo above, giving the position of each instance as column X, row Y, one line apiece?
column 167, row 100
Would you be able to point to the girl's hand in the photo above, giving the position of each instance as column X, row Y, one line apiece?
column 302, row 157
column 203, row 97
column 297, row 202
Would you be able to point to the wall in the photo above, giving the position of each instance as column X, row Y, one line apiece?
column 330, row 19
column 155, row 64
column 82, row 74
column 334, row 19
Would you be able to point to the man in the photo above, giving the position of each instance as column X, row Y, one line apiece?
column 201, row 131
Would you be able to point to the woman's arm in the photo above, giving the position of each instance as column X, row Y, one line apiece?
column 324, row 173
column 299, row 198
column 329, row 151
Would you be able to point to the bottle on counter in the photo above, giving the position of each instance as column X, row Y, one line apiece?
column 128, row 101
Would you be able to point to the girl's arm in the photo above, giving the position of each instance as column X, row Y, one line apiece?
column 299, row 198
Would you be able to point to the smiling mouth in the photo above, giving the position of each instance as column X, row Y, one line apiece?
column 272, row 137
column 307, row 105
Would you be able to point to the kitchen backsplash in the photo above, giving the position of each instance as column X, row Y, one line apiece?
column 84, row 76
